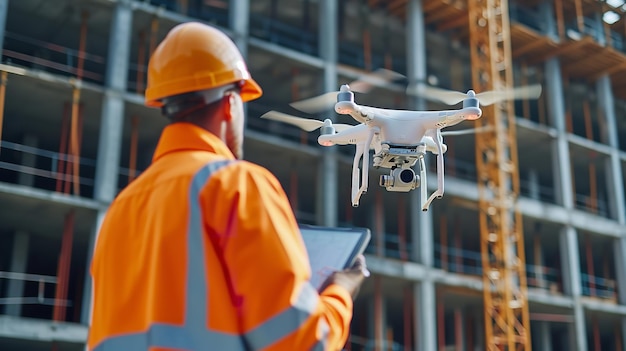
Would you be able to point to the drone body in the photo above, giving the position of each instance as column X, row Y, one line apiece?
column 399, row 138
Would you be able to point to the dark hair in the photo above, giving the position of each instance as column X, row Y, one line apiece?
column 188, row 104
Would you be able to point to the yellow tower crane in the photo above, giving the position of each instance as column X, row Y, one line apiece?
column 507, row 325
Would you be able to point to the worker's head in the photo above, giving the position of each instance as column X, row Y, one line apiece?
column 198, row 75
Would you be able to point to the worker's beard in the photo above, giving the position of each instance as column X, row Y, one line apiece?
column 235, row 126
column 234, row 139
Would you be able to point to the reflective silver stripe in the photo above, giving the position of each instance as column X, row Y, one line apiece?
column 285, row 322
column 321, row 344
column 195, row 333
column 170, row 336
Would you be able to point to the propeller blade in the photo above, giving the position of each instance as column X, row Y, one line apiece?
column 448, row 97
column 486, row 98
column 363, row 84
column 304, row 123
column 526, row 92
column 379, row 77
column 316, row 104
column 467, row 131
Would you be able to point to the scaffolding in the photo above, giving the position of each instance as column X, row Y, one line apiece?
column 507, row 324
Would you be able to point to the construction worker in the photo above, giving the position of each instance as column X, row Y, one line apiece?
column 202, row 251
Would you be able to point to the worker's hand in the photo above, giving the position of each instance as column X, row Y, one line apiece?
column 351, row 278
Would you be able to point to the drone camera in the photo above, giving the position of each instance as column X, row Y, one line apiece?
column 400, row 179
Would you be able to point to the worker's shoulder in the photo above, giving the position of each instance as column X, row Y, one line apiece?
column 238, row 174
column 241, row 168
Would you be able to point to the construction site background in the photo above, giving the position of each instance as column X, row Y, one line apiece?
column 74, row 132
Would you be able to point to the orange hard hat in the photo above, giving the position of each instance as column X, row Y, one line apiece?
column 194, row 57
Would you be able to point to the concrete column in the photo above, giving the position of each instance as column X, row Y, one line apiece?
column 28, row 160
column 620, row 268
column 577, row 330
column 570, row 259
column 422, row 244
column 421, row 222
column 239, row 18
column 85, row 313
column 4, row 7
column 459, row 330
column 598, row 27
column 479, row 330
column 554, row 94
column 533, row 184
column 615, row 187
column 416, row 47
column 561, row 158
column 112, row 120
column 111, row 124
column 327, row 202
column 426, row 315
column 546, row 10
column 19, row 259
column 544, row 339
column 377, row 320
column 623, row 331
column 564, row 196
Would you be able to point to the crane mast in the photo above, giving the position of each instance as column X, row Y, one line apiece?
column 507, row 325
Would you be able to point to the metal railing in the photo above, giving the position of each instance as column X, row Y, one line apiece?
column 46, row 56
column 592, row 205
column 371, row 344
column 537, row 192
column 215, row 11
column 543, row 277
column 598, row 287
column 469, row 262
column 45, row 170
column 457, row 260
column 353, row 54
column 283, row 34
column 392, row 246
column 43, row 283
column 525, row 16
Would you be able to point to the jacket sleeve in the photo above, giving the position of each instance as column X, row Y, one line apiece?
column 251, row 220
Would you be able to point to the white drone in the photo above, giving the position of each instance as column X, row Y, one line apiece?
column 399, row 138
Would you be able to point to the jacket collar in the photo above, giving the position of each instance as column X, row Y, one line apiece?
column 182, row 136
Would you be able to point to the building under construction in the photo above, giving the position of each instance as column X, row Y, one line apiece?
column 527, row 249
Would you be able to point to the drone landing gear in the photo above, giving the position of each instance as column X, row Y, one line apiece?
column 438, row 194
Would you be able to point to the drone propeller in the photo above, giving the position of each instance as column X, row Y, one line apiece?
column 364, row 84
column 486, row 98
column 304, row 123
column 467, row 131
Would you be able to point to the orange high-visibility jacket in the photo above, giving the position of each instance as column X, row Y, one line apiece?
column 202, row 252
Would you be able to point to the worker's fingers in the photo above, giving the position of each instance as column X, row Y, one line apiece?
column 360, row 266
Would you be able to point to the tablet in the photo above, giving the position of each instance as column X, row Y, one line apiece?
column 332, row 249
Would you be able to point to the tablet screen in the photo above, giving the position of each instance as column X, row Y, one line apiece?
column 332, row 249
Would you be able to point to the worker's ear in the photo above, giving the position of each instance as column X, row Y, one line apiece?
column 232, row 105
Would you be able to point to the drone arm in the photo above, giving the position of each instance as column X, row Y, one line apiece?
column 357, row 112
